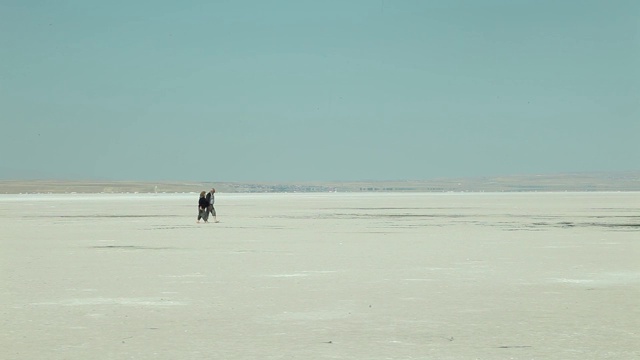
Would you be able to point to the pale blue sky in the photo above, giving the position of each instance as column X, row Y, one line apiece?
column 317, row 90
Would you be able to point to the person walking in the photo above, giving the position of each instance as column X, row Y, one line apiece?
column 203, row 205
column 211, row 198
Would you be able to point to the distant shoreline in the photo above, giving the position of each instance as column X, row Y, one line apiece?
column 627, row 181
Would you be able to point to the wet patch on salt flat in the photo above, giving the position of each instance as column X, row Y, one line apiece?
column 627, row 225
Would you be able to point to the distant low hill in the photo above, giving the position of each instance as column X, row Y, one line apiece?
column 629, row 181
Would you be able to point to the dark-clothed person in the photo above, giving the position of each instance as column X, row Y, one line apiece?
column 203, row 205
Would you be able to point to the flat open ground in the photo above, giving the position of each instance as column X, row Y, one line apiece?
column 321, row 276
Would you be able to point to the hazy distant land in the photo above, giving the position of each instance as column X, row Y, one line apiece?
column 628, row 181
